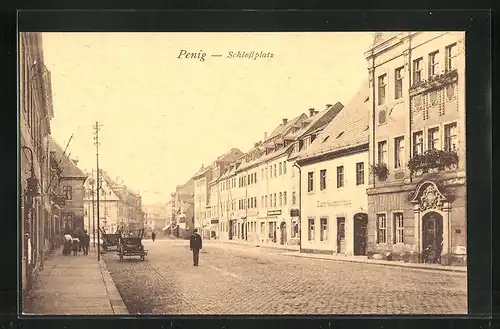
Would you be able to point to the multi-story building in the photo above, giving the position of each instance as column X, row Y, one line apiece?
column 119, row 206
column 35, row 113
column 417, row 197
column 155, row 217
column 334, row 178
column 183, row 209
column 201, row 195
column 216, row 202
column 70, row 186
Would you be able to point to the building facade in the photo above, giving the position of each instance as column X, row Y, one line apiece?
column 183, row 210
column 334, row 178
column 71, row 187
column 35, row 113
column 417, row 198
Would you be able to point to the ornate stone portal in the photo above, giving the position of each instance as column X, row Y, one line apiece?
column 428, row 198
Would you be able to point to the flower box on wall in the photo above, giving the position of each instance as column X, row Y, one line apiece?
column 432, row 161
column 435, row 82
column 380, row 170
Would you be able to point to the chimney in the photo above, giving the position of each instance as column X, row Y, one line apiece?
column 329, row 105
column 311, row 112
column 285, row 121
column 75, row 161
column 265, row 135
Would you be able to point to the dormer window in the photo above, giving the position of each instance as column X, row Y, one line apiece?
column 340, row 134
column 326, row 138
column 313, row 137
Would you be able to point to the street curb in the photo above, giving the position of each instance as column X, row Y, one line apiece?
column 115, row 298
column 383, row 264
column 255, row 245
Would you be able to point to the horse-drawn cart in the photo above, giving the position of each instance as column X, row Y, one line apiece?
column 132, row 246
column 110, row 239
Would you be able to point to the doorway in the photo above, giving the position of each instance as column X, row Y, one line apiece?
column 360, row 233
column 283, row 233
column 432, row 237
column 341, row 235
column 230, row 230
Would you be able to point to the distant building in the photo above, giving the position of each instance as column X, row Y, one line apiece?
column 183, row 210
column 417, row 199
column 156, row 216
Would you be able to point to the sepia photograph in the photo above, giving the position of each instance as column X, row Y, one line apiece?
column 254, row 173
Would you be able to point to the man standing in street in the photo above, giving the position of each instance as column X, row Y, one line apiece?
column 195, row 245
column 86, row 243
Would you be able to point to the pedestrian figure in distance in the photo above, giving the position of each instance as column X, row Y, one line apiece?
column 153, row 236
column 76, row 244
column 68, row 244
column 195, row 244
column 85, row 242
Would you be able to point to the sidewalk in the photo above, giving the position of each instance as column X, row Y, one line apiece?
column 257, row 244
column 364, row 259
column 74, row 285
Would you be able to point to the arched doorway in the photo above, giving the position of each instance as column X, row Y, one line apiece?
column 283, row 233
column 360, row 233
column 432, row 237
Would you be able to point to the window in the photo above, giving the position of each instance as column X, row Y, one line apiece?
column 450, row 57
column 399, row 148
column 381, row 89
column 398, row 228
column 281, row 199
column 284, row 168
column 310, row 181
column 270, row 200
column 265, row 200
column 255, row 202
column 381, row 228
column 294, row 198
column 433, row 138
column 311, row 229
column 274, row 199
column 262, row 173
column 322, row 179
column 68, row 192
column 284, row 199
column 323, row 229
column 340, row 176
column 417, row 70
column 266, row 172
column 398, row 83
column 382, row 152
column 418, row 143
column 433, row 63
column 280, row 169
column 450, row 137
column 68, row 221
column 275, row 171
column 262, row 201
column 255, row 177
column 360, row 173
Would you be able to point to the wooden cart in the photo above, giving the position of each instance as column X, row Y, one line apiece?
column 132, row 246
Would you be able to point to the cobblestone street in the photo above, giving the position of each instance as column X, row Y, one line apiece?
column 235, row 279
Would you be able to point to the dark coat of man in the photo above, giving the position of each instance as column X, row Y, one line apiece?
column 195, row 244
column 85, row 243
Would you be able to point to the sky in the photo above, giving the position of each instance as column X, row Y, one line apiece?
column 162, row 116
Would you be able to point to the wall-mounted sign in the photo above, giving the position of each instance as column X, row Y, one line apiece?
column 294, row 213
column 340, row 203
column 275, row 212
column 214, row 221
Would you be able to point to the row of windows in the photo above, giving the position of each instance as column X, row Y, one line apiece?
column 433, row 143
column 418, row 69
column 360, row 177
column 274, row 171
column 324, row 228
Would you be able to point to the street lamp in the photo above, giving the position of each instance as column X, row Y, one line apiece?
column 30, row 192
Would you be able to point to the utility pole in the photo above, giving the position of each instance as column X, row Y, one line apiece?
column 96, row 138
column 93, row 208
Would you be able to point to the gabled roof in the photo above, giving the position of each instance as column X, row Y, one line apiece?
column 69, row 168
column 203, row 170
column 283, row 129
column 317, row 121
column 348, row 129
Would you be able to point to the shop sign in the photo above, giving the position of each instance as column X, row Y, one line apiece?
column 333, row 204
column 275, row 212
column 294, row 213
column 214, row 221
